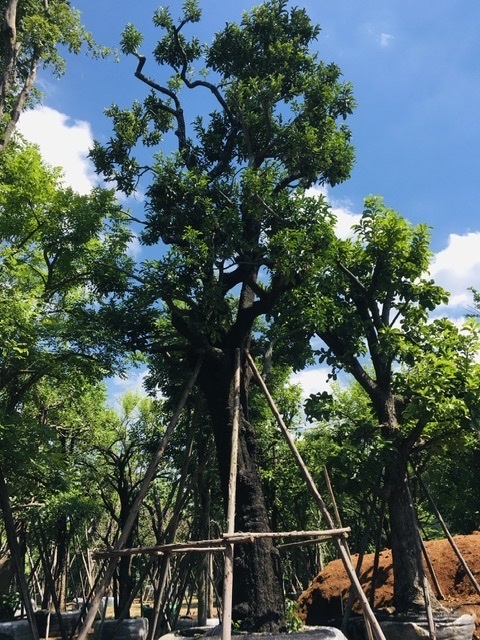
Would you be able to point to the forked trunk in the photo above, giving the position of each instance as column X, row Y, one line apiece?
column 258, row 603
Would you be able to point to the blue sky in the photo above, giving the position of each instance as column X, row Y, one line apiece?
column 415, row 68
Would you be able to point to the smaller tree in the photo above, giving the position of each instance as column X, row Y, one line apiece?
column 118, row 458
column 61, row 256
column 32, row 34
column 371, row 308
column 345, row 438
column 49, row 491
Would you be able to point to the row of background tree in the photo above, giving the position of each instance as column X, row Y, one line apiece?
column 244, row 259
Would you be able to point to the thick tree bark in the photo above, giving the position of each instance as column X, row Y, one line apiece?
column 411, row 589
column 124, row 570
column 258, row 602
column 405, row 542
column 412, row 592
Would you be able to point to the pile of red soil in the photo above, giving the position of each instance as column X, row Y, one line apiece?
column 322, row 601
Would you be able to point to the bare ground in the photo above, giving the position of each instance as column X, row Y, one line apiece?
column 322, row 601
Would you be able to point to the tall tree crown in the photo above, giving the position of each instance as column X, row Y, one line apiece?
column 229, row 201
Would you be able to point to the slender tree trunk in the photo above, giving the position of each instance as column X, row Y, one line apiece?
column 13, row 546
column 13, row 99
column 203, row 563
column 258, row 602
column 60, row 568
column 124, row 569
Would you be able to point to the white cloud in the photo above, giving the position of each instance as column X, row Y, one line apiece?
column 312, row 380
column 457, row 267
column 345, row 217
column 317, row 190
column 134, row 382
column 117, row 386
column 63, row 143
column 385, row 39
column 345, row 220
column 134, row 247
column 374, row 33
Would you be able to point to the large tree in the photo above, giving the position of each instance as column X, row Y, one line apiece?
column 229, row 217
column 372, row 309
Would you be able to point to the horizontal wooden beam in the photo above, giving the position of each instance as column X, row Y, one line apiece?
column 240, row 535
column 217, row 544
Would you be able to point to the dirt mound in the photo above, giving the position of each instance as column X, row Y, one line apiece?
column 322, row 601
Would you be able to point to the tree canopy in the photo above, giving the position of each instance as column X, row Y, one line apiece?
column 33, row 34
column 61, row 255
column 229, row 203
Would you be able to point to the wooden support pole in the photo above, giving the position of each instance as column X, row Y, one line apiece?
column 160, row 549
column 340, row 541
column 300, row 543
column 431, row 571
column 232, row 490
column 432, row 631
column 332, row 497
column 368, row 628
column 171, row 531
column 149, row 475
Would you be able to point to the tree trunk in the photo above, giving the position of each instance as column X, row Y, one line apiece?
column 124, row 569
column 13, row 547
column 60, row 567
column 258, row 602
column 408, row 569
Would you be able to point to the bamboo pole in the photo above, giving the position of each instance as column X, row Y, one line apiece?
column 103, row 583
column 332, row 497
column 432, row 631
column 339, row 540
column 300, row 543
column 173, row 525
column 158, row 550
column 241, row 536
column 448, row 535
column 232, row 489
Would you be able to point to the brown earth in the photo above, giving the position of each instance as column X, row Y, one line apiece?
column 322, row 601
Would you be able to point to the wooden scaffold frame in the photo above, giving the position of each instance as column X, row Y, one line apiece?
column 226, row 543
